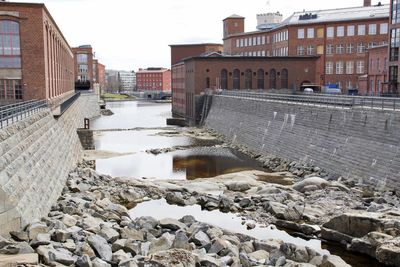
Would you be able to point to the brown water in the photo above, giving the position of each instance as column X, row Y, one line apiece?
column 202, row 159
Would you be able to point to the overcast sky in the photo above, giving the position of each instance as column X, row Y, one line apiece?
column 133, row 34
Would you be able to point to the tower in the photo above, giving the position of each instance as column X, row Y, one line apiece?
column 233, row 24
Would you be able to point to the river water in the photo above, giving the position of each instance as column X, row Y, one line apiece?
column 137, row 127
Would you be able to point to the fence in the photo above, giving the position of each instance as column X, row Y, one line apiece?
column 15, row 112
column 343, row 101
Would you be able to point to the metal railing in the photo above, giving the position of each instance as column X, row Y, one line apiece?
column 16, row 112
column 67, row 103
column 342, row 101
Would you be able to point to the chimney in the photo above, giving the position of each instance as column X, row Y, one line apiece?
column 367, row 2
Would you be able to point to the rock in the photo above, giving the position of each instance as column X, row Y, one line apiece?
column 120, row 256
column 101, row 247
column 259, row 256
column 171, row 224
column 17, row 248
column 310, row 184
column 117, row 209
column 187, row 220
column 61, row 235
column 175, row 198
column 62, row 256
column 389, row 252
column 214, row 232
column 85, row 248
column 84, row 261
column 200, row 239
column 335, row 236
column 250, row 225
column 163, row 243
column 118, row 244
column 173, row 258
column 281, row 261
column 208, row 261
column 128, row 263
column 100, row 263
column 247, row 247
column 19, row 236
column 129, row 233
column 69, row 220
column 70, row 245
column 239, row 186
column 108, row 234
column 333, row 261
column 218, row 245
column 132, row 246
column 19, row 260
column 181, row 241
column 268, row 245
column 36, row 228
column 369, row 243
column 244, row 203
column 91, row 224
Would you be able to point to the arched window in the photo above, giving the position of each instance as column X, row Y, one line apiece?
column 207, row 82
column 224, row 79
column 272, row 79
column 284, row 79
column 10, row 49
column 260, row 79
column 248, row 84
column 236, row 79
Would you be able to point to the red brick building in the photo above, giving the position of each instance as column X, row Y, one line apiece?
column 100, row 74
column 181, row 51
column 36, row 61
column 339, row 36
column 194, row 75
column 394, row 44
column 83, row 67
column 376, row 82
column 153, row 79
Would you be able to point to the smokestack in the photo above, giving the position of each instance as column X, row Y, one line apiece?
column 367, row 2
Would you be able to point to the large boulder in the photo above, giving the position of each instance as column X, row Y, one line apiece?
column 310, row 184
column 101, row 247
column 389, row 252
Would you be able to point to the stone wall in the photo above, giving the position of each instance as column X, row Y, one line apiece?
column 353, row 143
column 36, row 155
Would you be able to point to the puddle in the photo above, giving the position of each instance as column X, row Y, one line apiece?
column 160, row 209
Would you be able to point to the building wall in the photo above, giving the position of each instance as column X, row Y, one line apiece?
column 158, row 79
column 36, row 155
column 46, row 58
column 394, row 47
column 101, row 75
column 178, row 90
column 377, row 71
column 359, row 144
column 179, row 52
column 85, row 50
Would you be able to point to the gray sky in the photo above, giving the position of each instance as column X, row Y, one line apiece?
column 130, row 34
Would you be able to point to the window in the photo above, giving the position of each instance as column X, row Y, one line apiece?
column 82, row 58
column 340, row 31
column 237, row 43
column 284, row 79
column 329, row 67
column 224, row 79
column 360, row 67
column 383, row 28
column 272, row 79
column 10, row 50
column 360, row 48
column 300, row 50
column 349, row 48
column 349, row 67
column 329, row 49
column 248, row 79
column 372, row 29
column 339, row 49
column 339, row 67
column 250, row 41
column 310, row 50
column 236, row 79
column 245, row 42
column 395, row 12
column 350, row 30
column 258, row 40
column 241, row 42
column 260, row 79
column 330, row 32
column 310, row 33
column 83, row 68
column 300, row 34
column 320, row 50
column 263, row 40
column 263, row 53
column 254, row 40
column 320, row 33
column 394, row 44
column 11, row 89
column 361, row 30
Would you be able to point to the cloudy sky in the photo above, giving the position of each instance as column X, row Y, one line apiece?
column 132, row 34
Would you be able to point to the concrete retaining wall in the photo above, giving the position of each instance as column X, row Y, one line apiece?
column 363, row 144
column 36, row 155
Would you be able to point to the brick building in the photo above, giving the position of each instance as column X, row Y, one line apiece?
column 394, row 45
column 196, row 74
column 36, row 61
column 375, row 83
column 339, row 36
column 153, row 79
column 99, row 74
column 83, row 67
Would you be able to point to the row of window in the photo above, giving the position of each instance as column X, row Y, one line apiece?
column 10, row 48
column 248, row 82
column 395, row 11
column 11, row 89
column 251, row 41
column 82, row 58
column 340, row 67
column 340, row 31
column 331, row 49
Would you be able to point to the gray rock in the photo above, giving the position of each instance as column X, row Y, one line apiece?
column 69, row 220
column 173, row 258
column 100, row 263
column 101, row 247
column 333, row 261
column 214, row 232
column 120, row 256
column 128, row 263
column 129, row 233
column 208, row 261
column 36, row 228
column 19, row 236
column 118, row 244
column 61, row 235
column 181, row 241
column 132, row 247
column 187, row 219
column 200, row 239
column 17, row 248
column 247, row 247
column 281, row 261
column 163, row 243
column 109, row 234
column 310, row 184
column 62, row 256
column 172, row 224
column 268, row 245
column 239, row 186
column 218, row 245
column 389, row 252
column 84, row 261
column 4, row 242
column 117, row 209
column 369, row 243
column 259, row 256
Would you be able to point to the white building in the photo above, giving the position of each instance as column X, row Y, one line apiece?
column 128, row 80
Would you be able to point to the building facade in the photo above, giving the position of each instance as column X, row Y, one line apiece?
column 181, row 51
column 128, row 81
column 83, row 70
column 36, row 61
column 394, row 45
column 195, row 75
column 340, row 37
column 153, row 79
column 99, row 74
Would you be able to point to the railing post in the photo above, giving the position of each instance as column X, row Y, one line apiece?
column 86, row 122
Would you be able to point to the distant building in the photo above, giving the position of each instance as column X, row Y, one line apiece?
column 128, row 80
column 99, row 74
column 83, row 60
column 36, row 61
column 340, row 37
column 153, row 79
column 394, row 45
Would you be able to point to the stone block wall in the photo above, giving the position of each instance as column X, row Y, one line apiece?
column 36, row 155
column 356, row 143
